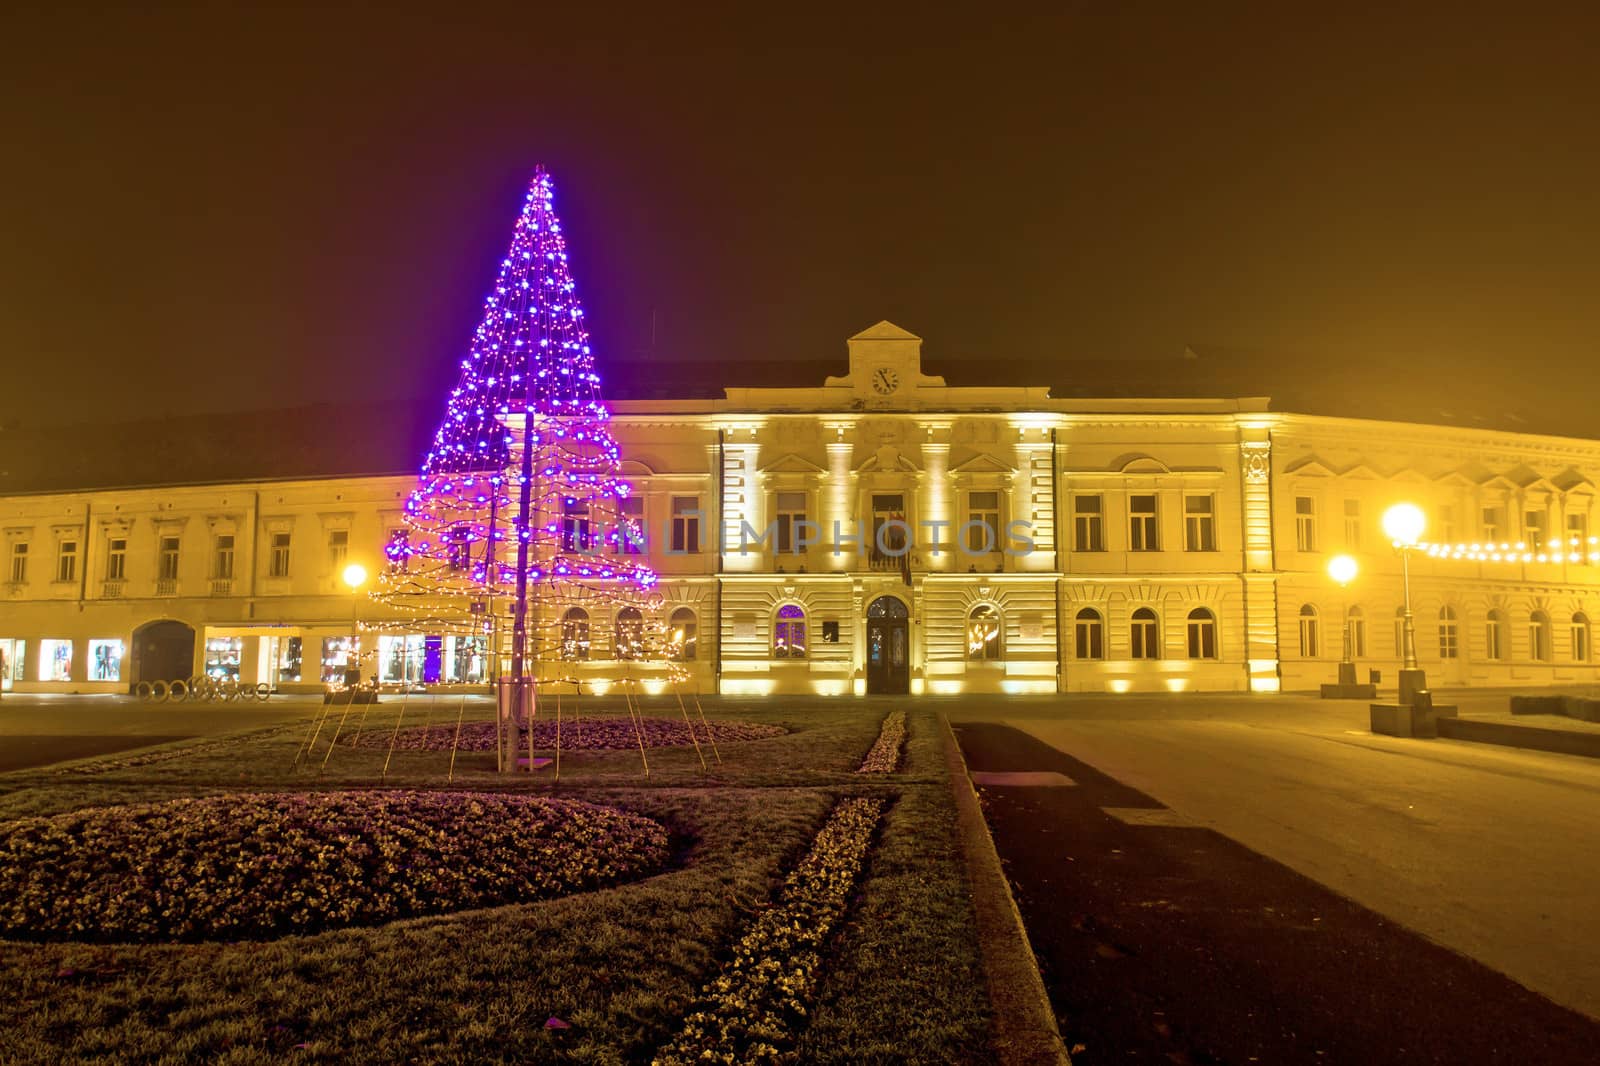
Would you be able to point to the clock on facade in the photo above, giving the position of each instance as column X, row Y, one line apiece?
column 884, row 381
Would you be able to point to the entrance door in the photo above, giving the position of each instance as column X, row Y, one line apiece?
column 163, row 651
column 888, row 646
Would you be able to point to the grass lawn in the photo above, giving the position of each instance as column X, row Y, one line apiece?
column 902, row 981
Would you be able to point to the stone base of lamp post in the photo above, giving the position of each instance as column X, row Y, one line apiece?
column 1348, row 687
column 1411, row 683
column 1418, row 718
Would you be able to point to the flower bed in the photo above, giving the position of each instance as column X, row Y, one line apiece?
column 587, row 734
column 752, row 1012
column 250, row 866
column 229, row 744
column 884, row 758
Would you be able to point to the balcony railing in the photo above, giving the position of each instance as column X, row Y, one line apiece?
column 167, row 586
column 112, row 589
column 221, row 586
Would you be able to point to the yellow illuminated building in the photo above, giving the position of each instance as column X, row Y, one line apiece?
column 882, row 531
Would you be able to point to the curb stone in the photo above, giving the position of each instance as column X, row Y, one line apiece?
column 1025, row 1032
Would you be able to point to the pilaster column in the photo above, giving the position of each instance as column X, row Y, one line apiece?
column 1033, row 499
column 939, row 540
column 838, row 502
column 1259, row 573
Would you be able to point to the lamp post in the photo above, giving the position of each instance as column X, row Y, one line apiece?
column 1343, row 570
column 355, row 575
column 1403, row 524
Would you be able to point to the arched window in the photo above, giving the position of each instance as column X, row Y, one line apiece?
column 1089, row 634
column 1310, row 646
column 1358, row 632
column 1580, row 638
column 789, row 633
column 630, row 634
column 1449, row 642
column 683, row 635
column 1202, row 634
column 1494, row 634
column 1145, row 634
column 1539, row 636
column 983, row 633
column 575, row 634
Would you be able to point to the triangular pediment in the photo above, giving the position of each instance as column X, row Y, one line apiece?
column 1310, row 466
column 1523, row 476
column 885, row 331
column 1571, row 479
column 1361, row 471
column 792, row 464
column 983, row 463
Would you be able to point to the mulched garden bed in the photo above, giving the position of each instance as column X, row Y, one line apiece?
column 586, row 734
column 267, row 864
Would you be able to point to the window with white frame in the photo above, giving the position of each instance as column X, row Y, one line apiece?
column 1578, row 530
column 1535, row 526
column 790, row 511
column 575, row 634
column 19, row 561
column 685, row 524
column 789, row 632
column 575, row 525
column 1143, row 535
column 982, row 527
column 1310, row 637
column 1144, row 634
column 338, row 549
column 1580, row 637
column 1202, row 631
column 1352, row 524
column 1088, row 523
column 1494, row 634
column 1305, row 523
column 1358, row 632
column 67, row 560
column 1089, row 634
column 1449, row 637
column 458, row 553
column 683, row 636
column 167, row 559
column 116, row 559
column 1199, row 523
column 1539, row 636
column 278, row 556
column 629, row 636
column 222, row 563
column 983, row 633
column 1493, row 524
column 630, row 538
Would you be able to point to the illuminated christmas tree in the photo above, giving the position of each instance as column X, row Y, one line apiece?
column 518, row 514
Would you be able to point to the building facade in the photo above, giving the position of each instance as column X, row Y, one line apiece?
column 885, row 532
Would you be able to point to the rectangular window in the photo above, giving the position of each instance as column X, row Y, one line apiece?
column 1352, row 524
column 630, row 535
column 1305, row 523
column 338, row 549
column 1199, row 524
column 13, row 654
column 983, row 523
column 1535, row 531
column 1578, row 532
column 19, row 563
column 116, row 559
column 1088, row 523
column 1447, row 523
column 223, row 568
column 889, row 530
column 1142, row 524
column 105, row 660
column 55, row 660
column 278, row 560
column 790, row 509
column 167, row 560
column 575, row 525
column 685, row 524
column 1492, row 525
column 1089, row 636
column 336, row 658
column 286, row 658
column 459, row 554
column 67, row 561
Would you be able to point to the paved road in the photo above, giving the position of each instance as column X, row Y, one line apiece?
column 37, row 730
column 1492, row 852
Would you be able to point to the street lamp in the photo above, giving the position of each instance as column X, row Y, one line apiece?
column 355, row 575
column 1343, row 569
column 1403, row 524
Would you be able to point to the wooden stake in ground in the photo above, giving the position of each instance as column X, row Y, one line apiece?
column 633, row 716
column 709, row 738
column 339, row 729
column 558, row 735
column 312, row 734
column 456, row 743
column 677, row 691
column 396, row 736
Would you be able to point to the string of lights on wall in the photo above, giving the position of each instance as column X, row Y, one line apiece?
column 1555, row 550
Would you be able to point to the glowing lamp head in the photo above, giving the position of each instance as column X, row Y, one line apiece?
column 1403, row 523
column 355, row 575
column 1343, row 569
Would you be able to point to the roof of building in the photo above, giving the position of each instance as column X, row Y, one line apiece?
column 370, row 438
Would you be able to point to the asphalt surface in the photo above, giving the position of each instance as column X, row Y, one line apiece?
column 1274, row 884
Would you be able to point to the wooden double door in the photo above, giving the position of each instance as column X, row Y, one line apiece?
column 888, row 646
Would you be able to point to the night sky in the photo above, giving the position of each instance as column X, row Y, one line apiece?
column 206, row 210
